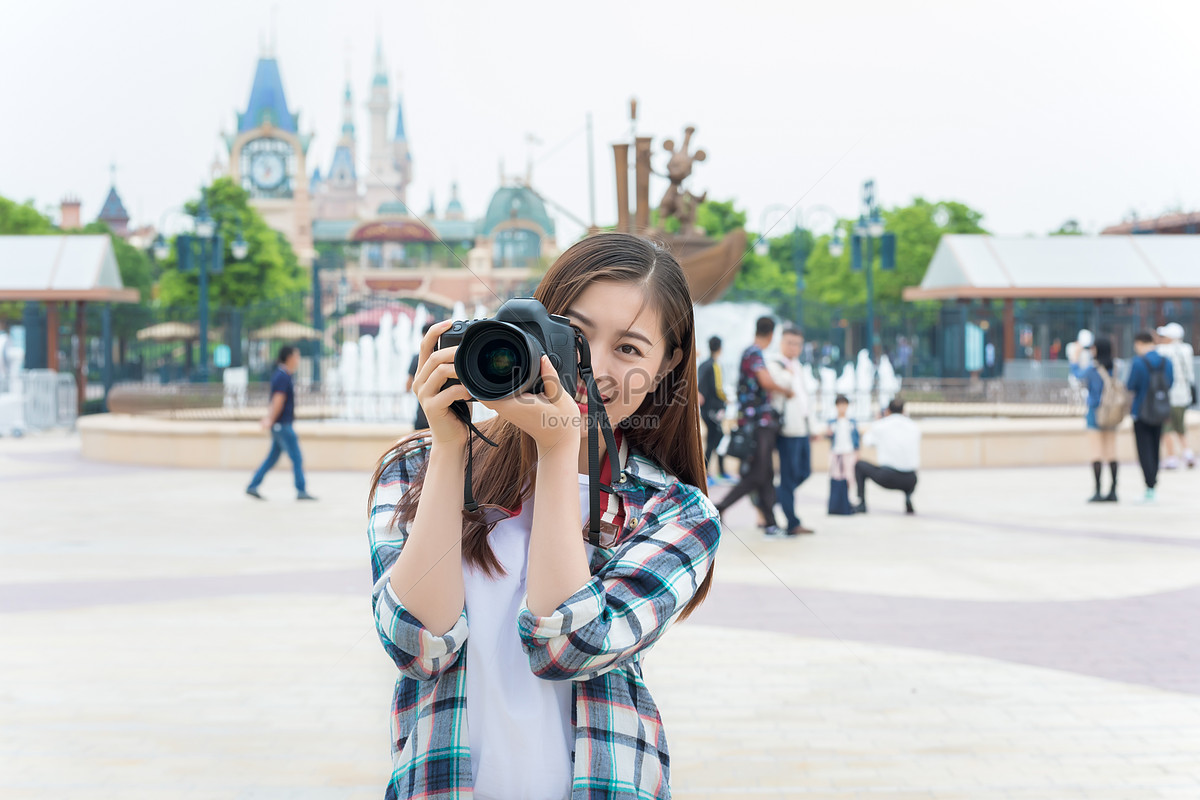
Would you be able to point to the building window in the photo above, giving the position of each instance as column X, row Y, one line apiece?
column 516, row 247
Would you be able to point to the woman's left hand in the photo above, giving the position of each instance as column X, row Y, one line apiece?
column 550, row 416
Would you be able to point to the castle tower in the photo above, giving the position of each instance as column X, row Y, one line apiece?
column 266, row 158
column 337, row 195
column 379, row 162
column 454, row 209
column 113, row 212
column 401, row 156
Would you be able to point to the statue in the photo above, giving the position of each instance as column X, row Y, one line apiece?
column 678, row 203
column 710, row 266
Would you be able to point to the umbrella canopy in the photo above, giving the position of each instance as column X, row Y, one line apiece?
column 175, row 332
column 286, row 330
column 371, row 317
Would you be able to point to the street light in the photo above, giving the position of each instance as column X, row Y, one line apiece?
column 836, row 245
column 203, row 250
column 762, row 246
column 869, row 228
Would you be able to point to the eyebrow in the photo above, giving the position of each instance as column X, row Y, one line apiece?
column 630, row 333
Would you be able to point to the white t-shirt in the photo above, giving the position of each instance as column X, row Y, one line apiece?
column 843, row 436
column 1183, row 362
column 797, row 416
column 897, row 441
column 519, row 726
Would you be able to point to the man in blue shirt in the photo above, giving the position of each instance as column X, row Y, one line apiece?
column 279, row 419
column 1150, row 378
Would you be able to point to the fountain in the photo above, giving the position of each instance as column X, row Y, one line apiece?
column 829, row 393
column 861, row 408
column 889, row 382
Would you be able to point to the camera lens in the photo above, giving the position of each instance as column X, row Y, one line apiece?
column 497, row 360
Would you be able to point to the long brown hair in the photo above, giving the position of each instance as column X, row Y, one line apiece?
column 665, row 427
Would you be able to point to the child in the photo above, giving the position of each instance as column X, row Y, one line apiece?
column 843, row 453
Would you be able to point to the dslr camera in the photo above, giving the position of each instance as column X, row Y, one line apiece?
column 500, row 357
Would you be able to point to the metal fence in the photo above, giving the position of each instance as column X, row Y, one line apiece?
column 50, row 399
column 962, row 339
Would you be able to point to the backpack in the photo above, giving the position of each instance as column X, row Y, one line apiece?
column 1156, row 406
column 1115, row 402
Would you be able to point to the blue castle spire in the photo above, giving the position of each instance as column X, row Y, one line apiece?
column 267, row 100
column 400, row 119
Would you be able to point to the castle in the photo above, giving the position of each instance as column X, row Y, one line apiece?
column 354, row 222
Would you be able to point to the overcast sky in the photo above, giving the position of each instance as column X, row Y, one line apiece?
column 1032, row 112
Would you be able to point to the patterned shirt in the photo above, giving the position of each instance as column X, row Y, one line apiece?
column 754, row 403
column 666, row 537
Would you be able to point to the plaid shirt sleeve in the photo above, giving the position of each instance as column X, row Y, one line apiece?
column 634, row 597
column 417, row 652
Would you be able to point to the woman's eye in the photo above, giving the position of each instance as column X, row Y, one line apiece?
column 629, row 350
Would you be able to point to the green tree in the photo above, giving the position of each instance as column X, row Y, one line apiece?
column 719, row 218
column 17, row 219
column 918, row 229
column 1068, row 228
column 269, row 271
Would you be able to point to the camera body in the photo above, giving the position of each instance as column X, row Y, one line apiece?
column 499, row 357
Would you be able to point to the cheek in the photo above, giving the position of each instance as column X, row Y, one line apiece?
column 635, row 384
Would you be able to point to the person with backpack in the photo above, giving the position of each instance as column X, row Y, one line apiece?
column 1150, row 380
column 1107, row 407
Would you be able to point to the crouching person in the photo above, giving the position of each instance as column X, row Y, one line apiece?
column 897, row 442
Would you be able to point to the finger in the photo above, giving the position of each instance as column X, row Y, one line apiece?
column 436, row 359
column 446, row 398
column 431, row 387
column 429, row 340
column 551, row 385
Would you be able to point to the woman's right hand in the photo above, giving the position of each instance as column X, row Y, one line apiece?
column 434, row 368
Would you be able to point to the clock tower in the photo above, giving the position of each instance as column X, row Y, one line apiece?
column 266, row 158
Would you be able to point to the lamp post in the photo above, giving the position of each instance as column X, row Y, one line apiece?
column 202, row 250
column 869, row 228
column 324, row 260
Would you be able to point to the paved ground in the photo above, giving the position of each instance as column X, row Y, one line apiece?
column 163, row 635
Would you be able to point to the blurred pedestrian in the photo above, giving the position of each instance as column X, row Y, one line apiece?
column 795, row 435
column 711, row 386
column 1183, row 395
column 281, row 414
column 757, row 417
column 897, row 442
column 1102, row 433
column 1150, row 379
column 843, row 454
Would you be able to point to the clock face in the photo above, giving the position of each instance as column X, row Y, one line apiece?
column 268, row 170
column 268, row 167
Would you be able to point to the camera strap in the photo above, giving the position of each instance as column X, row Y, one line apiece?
column 597, row 424
column 463, row 412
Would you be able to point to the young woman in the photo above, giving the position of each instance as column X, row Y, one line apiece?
column 1103, row 443
column 519, row 644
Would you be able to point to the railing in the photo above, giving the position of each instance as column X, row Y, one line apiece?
column 925, row 397
column 199, row 401
column 51, row 398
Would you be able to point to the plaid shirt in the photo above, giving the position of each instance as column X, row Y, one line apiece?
column 595, row 639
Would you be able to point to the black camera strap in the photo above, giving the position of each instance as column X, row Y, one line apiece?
column 597, row 424
column 463, row 412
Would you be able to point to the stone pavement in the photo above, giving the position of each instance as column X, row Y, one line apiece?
column 161, row 634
